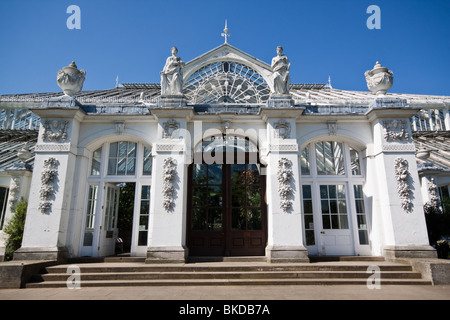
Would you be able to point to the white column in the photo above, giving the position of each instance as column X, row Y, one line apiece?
column 285, row 224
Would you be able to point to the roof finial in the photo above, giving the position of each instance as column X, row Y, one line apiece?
column 117, row 81
column 328, row 85
column 225, row 33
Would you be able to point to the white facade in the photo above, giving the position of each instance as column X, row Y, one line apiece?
column 327, row 166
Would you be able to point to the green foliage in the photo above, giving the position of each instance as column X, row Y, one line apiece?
column 14, row 229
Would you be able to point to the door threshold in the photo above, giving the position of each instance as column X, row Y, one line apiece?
column 227, row 259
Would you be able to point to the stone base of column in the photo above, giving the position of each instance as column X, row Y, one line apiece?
column 399, row 252
column 58, row 254
column 172, row 101
column 286, row 254
column 166, row 255
column 280, row 101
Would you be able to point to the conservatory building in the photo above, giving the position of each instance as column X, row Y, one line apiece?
column 223, row 157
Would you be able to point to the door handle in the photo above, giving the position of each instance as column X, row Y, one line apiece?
column 322, row 232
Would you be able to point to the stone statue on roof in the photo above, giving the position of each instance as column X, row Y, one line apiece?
column 172, row 75
column 280, row 68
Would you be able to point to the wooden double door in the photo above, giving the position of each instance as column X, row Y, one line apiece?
column 227, row 210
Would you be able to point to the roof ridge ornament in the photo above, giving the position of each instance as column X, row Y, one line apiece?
column 225, row 33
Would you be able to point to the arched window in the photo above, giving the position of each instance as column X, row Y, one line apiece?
column 226, row 82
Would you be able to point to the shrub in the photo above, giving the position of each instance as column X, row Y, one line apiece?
column 14, row 229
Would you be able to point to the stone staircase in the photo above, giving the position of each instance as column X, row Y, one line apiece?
column 234, row 271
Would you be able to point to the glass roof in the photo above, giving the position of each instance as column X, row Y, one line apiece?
column 226, row 82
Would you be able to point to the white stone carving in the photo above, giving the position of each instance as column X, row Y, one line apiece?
column 169, row 178
column 61, row 147
column 285, row 175
column 379, row 79
column 48, row 178
column 398, row 147
column 283, row 147
column 172, row 75
column 434, row 203
column 395, row 130
column 332, row 127
column 14, row 190
column 280, row 68
column 55, row 130
column 402, row 176
column 120, row 127
column 169, row 147
column 169, row 127
column 70, row 79
column 282, row 129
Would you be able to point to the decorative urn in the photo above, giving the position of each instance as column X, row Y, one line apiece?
column 379, row 79
column 70, row 79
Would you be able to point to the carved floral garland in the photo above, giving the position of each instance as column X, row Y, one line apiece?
column 48, row 178
column 169, row 175
column 284, row 176
column 402, row 176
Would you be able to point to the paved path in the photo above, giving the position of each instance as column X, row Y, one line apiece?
column 273, row 292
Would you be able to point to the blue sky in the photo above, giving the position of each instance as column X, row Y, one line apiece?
column 132, row 39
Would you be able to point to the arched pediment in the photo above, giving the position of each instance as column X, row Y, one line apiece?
column 227, row 75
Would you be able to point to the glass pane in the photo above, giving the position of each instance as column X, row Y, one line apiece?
column 238, row 197
column 363, row 237
column 341, row 191
column 254, row 219
column 306, row 192
column 142, row 238
column 354, row 161
column 309, row 221
column 323, row 192
column 361, row 221
column 88, row 238
column 147, row 167
column 254, row 196
column 334, row 221
column 310, row 241
column 199, row 174
column 198, row 219
column 359, row 206
column 130, row 166
column 215, row 196
column 237, row 173
column 342, row 206
column 252, row 174
column 324, row 204
column 358, row 191
column 121, row 166
column 113, row 149
column 215, row 219
column 333, row 206
column 238, row 218
column 143, row 222
column 326, row 221
column 96, row 161
column 307, row 206
column 332, row 192
column 199, row 196
column 112, row 166
column 145, row 192
column 145, row 207
column 304, row 161
column 343, row 221
column 122, row 149
column 215, row 174
column 320, row 158
column 131, row 152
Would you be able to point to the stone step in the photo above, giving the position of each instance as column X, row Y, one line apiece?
column 125, row 271
column 220, row 282
column 226, row 275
